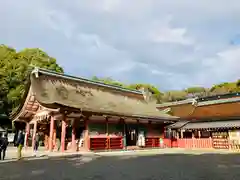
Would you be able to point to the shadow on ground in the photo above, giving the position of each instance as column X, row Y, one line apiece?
column 128, row 167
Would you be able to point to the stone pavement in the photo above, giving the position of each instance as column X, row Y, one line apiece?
column 11, row 154
column 165, row 151
column 172, row 166
column 42, row 153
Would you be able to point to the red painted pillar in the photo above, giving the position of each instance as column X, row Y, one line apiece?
column 74, row 136
column 54, row 138
column 34, row 134
column 86, row 135
column 50, row 146
column 63, row 135
column 27, row 132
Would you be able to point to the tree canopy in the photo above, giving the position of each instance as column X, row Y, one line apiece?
column 177, row 95
column 14, row 69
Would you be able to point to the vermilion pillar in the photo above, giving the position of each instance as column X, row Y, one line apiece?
column 34, row 134
column 27, row 130
column 54, row 137
column 51, row 134
column 63, row 135
column 73, row 136
column 86, row 135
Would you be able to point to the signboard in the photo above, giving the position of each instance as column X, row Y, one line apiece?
column 234, row 136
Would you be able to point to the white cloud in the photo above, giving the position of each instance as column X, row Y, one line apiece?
column 224, row 66
column 110, row 5
column 164, row 33
column 170, row 43
column 168, row 35
column 60, row 21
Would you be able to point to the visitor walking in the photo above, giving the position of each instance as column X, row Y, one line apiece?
column 3, row 146
column 36, row 144
column 20, row 143
column 58, row 144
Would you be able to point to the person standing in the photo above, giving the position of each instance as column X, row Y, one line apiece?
column 3, row 146
column 36, row 145
column 20, row 143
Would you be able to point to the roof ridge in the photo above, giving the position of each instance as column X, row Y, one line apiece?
column 174, row 103
column 66, row 76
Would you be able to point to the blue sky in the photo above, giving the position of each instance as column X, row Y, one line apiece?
column 170, row 43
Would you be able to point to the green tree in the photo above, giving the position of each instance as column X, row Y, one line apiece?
column 14, row 69
column 238, row 84
column 178, row 95
column 109, row 81
column 95, row 78
column 193, row 90
column 223, row 88
column 156, row 94
column 197, row 91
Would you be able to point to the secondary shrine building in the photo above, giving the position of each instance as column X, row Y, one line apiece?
column 71, row 113
column 209, row 122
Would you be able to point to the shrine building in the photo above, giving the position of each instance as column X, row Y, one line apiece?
column 78, row 114
column 209, row 122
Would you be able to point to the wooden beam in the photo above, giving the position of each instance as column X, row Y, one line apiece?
column 19, row 120
column 30, row 111
column 22, row 119
column 90, row 113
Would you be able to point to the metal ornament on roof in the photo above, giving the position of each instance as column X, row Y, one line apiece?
column 167, row 110
column 194, row 102
column 36, row 72
column 147, row 94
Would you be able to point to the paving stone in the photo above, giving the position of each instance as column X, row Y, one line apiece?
column 176, row 166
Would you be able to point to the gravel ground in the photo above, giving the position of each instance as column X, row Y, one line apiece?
column 127, row 167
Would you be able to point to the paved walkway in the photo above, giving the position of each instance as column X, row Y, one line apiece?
column 177, row 166
column 42, row 153
column 11, row 154
column 165, row 151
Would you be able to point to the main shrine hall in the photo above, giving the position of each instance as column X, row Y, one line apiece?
column 72, row 113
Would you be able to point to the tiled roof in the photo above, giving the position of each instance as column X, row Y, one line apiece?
column 225, row 98
column 218, row 101
column 187, row 101
column 77, row 95
column 177, row 125
column 212, row 125
column 80, row 79
column 54, row 90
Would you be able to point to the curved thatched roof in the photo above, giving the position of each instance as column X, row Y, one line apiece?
column 56, row 90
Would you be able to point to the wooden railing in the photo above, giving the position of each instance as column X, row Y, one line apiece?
column 106, row 143
column 98, row 143
column 115, row 143
column 167, row 143
column 189, row 143
column 152, row 142
column 195, row 143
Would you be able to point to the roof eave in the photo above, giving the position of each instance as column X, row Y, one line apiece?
column 110, row 113
column 219, row 101
column 168, row 104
